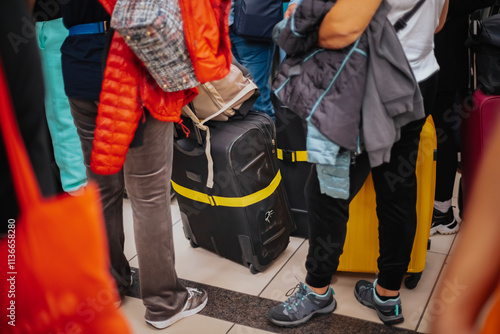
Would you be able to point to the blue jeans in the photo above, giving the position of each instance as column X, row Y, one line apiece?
column 257, row 57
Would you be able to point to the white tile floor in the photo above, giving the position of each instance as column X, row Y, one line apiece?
column 205, row 267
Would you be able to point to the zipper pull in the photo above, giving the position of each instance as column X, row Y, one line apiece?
column 185, row 129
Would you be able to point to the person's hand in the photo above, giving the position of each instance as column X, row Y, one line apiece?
column 290, row 10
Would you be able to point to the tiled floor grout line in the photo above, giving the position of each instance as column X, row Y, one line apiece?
column 230, row 328
column 435, row 284
column 440, row 253
column 283, row 266
column 430, row 297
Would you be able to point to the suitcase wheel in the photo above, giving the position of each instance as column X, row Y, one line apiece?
column 412, row 280
column 253, row 270
column 193, row 244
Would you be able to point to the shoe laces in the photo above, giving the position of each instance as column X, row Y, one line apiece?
column 370, row 288
column 296, row 298
column 292, row 290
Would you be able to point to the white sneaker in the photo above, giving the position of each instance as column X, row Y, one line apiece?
column 197, row 300
column 444, row 222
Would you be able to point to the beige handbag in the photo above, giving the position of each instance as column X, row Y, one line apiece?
column 218, row 100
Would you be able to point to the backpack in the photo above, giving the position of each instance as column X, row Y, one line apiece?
column 484, row 41
column 255, row 19
column 220, row 99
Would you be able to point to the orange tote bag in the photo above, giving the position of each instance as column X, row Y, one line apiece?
column 54, row 266
column 492, row 323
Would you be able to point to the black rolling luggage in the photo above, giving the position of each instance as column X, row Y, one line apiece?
column 244, row 216
column 292, row 155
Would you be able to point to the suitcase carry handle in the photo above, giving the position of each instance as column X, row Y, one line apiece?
column 187, row 145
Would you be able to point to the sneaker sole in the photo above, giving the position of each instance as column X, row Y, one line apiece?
column 326, row 310
column 177, row 317
column 444, row 229
column 387, row 320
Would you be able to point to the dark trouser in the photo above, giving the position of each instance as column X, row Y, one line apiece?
column 396, row 192
column 447, row 124
column 146, row 175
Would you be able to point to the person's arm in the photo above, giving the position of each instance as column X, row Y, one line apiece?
column 474, row 269
column 291, row 7
column 345, row 22
column 442, row 18
column 289, row 10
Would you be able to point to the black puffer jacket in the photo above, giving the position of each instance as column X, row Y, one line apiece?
column 314, row 82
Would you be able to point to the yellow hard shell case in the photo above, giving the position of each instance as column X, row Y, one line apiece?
column 361, row 248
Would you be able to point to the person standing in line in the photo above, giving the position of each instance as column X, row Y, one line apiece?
column 21, row 63
column 452, row 56
column 148, row 162
column 396, row 202
column 51, row 33
column 257, row 57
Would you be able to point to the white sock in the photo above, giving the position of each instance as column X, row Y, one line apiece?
column 442, row 206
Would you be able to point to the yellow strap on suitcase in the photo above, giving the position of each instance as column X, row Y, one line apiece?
column 294, row 156
column 229, row 201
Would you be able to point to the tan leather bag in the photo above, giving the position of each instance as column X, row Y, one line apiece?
column 218, row 100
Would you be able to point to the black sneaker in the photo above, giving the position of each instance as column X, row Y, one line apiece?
column 444, row 223
column 389, row 311
column 301, row 307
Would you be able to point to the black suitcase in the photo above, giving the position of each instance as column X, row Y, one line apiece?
column 292, row 155
column 245, row 216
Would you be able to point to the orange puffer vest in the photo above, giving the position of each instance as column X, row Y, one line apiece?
column 127, row 86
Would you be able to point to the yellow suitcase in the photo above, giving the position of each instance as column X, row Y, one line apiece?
column 361, row 248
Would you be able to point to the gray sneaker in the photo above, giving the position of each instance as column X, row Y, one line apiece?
column 301, row 307
column 195, row 303
column 389, row 311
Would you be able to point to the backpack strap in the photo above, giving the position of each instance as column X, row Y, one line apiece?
column 403, row 21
